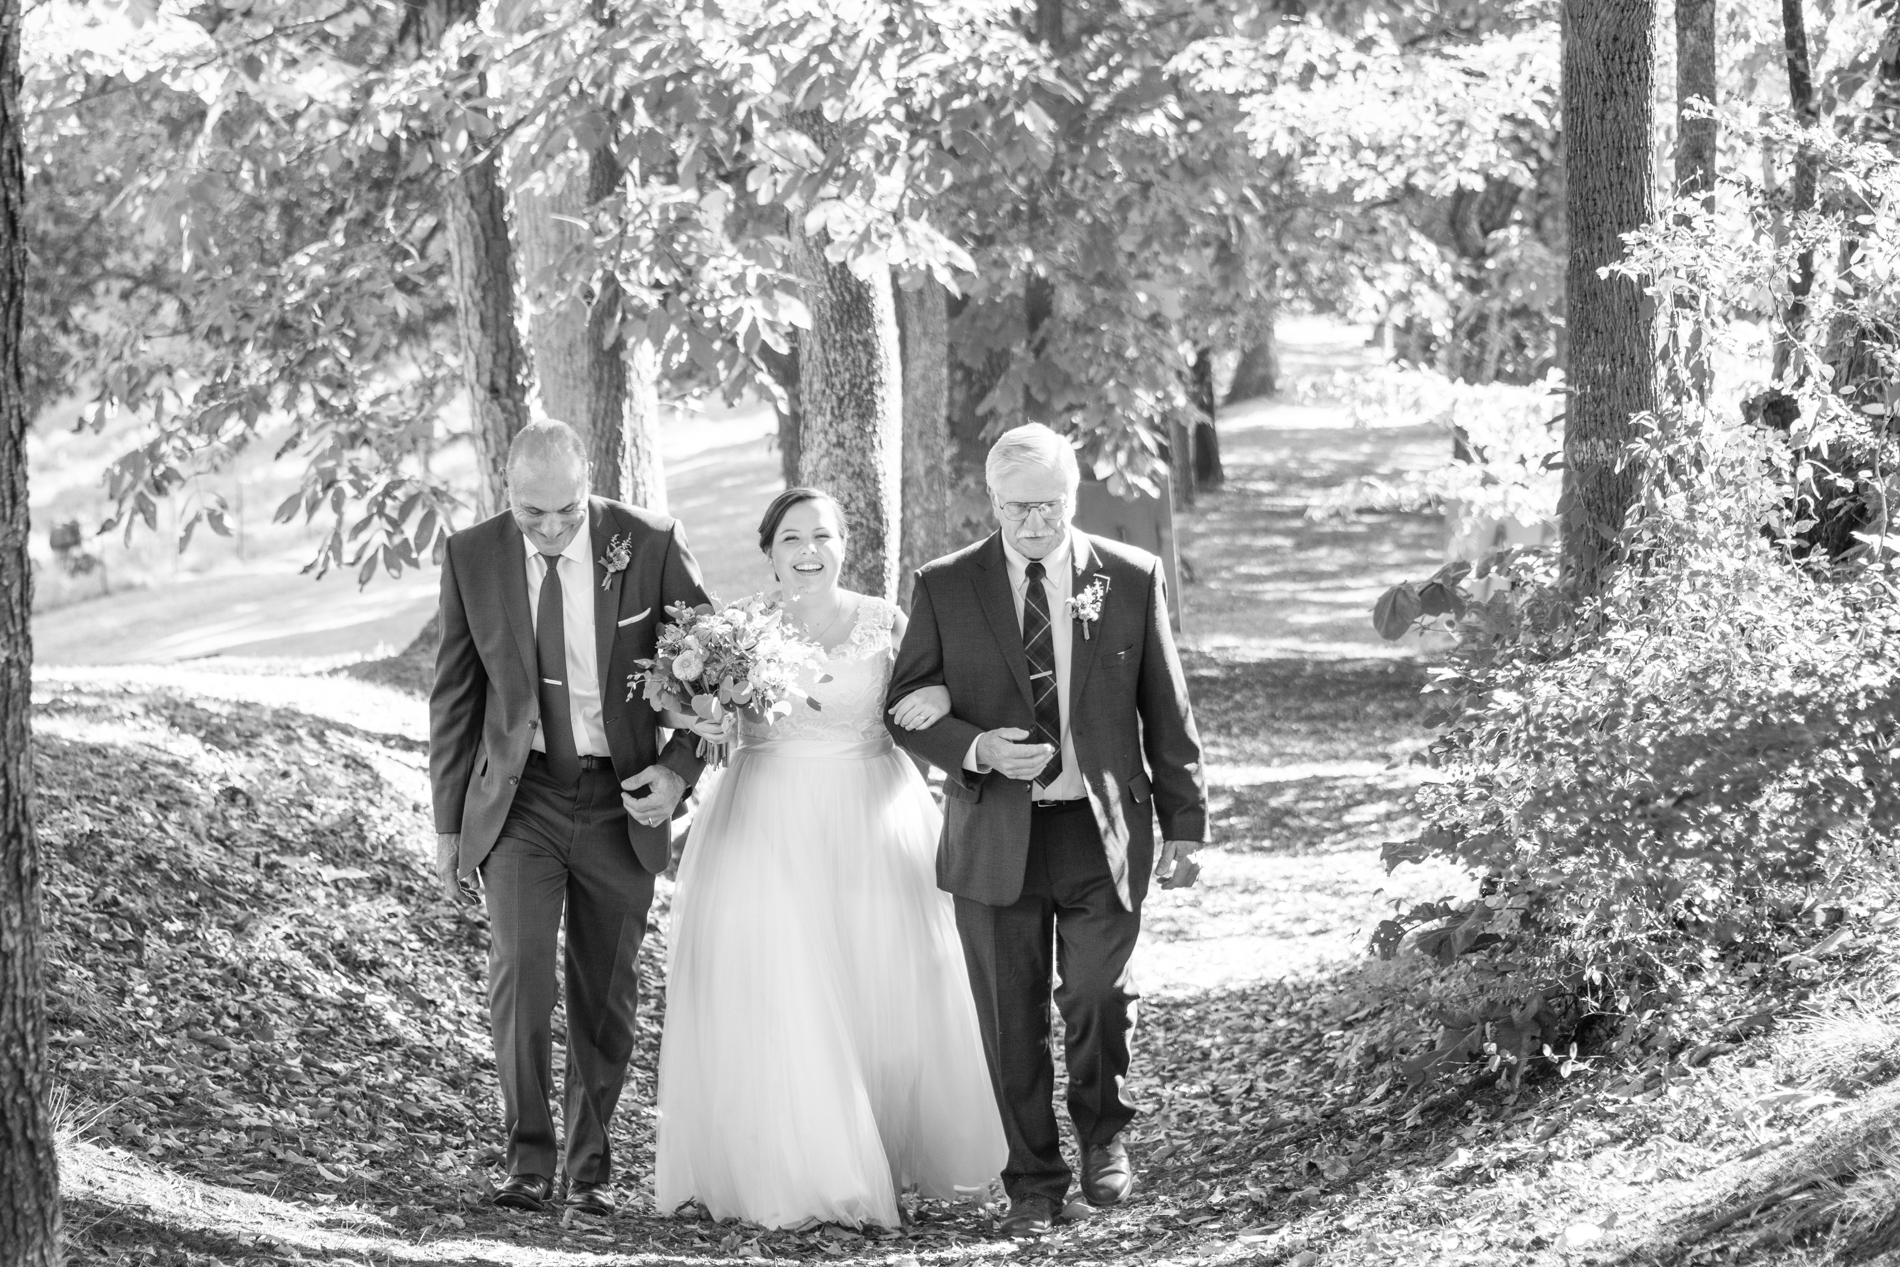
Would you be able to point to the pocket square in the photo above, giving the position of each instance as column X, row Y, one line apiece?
column 629, row 620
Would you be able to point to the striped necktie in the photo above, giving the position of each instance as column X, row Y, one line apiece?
column 1039, row 645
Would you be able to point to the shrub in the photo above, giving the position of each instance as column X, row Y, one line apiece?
column 1654, row 782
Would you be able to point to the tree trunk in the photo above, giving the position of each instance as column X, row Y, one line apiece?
column 584, row 371
column 1608, row 74
column 929, row 454
column 642, row 470
column 1208, row 472
column 1181, row 461
column 1853, row 346
column 1794, row 38
column 851, row 401
column 1695, row 78
column 1039, row 306
column 783, row 367
column 1039, row 288
column 495, row 369
column 29, row 1178
column 1696, row 140
column 1258, row 371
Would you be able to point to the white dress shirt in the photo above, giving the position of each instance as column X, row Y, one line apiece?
column 577, row 622
column 1058, row 583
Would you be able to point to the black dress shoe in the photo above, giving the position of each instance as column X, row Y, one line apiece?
column 525, row 1192
column 591, row 1198
column 1029, row 1216
column 1107, row 1175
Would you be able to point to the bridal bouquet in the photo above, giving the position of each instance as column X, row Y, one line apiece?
column 714, row 662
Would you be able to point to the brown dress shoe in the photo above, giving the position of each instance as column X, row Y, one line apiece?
column 525, row 1192
column 591, row 1198
column 1031, row 1215
column 1107, row 1175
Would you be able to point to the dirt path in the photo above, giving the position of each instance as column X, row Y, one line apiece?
column 1304, row 710
column 1238, row 1055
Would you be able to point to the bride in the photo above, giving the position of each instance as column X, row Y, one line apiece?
column 821, row 1050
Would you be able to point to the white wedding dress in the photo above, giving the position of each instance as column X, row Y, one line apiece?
column 821, row 1050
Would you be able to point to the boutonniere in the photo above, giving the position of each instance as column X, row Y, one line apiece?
column 619, row 554
column 1086, row 606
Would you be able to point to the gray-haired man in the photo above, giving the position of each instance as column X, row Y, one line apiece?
column 1069, row 733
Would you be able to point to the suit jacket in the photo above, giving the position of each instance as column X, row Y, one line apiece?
column 485, row 706
column 1129, row 716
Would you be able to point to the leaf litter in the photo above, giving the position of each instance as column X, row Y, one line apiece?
column 271, row 1041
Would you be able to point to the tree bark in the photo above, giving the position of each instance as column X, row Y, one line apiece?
column 851, row 403
column 1852, row 344
column 1696, row 138
column 783, row 367
column 495, row 368
column 1039, row 288
column 29, row 1178
column 1608, row 75
column 1258, row 371
column 929, row 453
column 1181, row 461
column 1695, row 78
column 585, row 373
column 1208, row 471
column 1794, row 38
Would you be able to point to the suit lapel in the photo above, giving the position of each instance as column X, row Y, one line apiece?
column 1082, row 647
column 992, row 589
column 606, row 595
column 514, row 591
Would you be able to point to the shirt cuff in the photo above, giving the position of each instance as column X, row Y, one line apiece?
column 970, row 762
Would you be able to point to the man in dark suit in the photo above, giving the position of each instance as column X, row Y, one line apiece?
column 1069, row 732
column 552, row 793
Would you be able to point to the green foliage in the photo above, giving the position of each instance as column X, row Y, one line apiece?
column 216, row 257
column 1664, row 774
column 1505, row 441
column 1427, row 158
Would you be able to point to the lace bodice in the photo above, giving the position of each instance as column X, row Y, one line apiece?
column 849, row 685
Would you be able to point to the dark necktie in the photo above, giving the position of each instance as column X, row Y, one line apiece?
column 550, row 641
column 1039, row 645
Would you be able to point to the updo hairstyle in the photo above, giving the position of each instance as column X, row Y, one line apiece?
column 782, row 505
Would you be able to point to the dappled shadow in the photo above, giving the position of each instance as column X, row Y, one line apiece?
column 1268, row 577
column 1291, row 710
column 1316, row 815
column 170, row 1237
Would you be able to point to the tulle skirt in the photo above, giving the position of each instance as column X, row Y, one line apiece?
column 821, row 1050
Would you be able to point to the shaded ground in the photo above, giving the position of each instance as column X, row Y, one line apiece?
column 271, row 1036
column 1269, row 581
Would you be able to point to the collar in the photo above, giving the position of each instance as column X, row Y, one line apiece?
column 577, row 548
column 1058, row 560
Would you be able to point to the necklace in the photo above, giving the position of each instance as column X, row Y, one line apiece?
column 805, row 627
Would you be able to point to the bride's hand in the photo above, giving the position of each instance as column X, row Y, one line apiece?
column 922, row 708
column 722, row 732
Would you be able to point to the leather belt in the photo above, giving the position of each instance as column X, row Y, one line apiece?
column 1058, row 807
column 585, row 762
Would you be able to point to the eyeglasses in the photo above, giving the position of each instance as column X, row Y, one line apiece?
column 1016, row 512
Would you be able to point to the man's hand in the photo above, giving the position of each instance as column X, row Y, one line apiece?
column 662, row 787
column 998, row 750
column 454, row 890
column 1176, row 868
column 922, row 708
